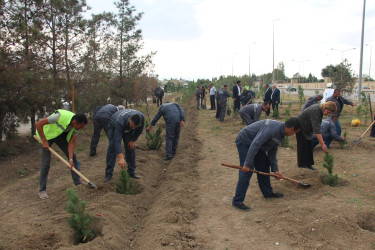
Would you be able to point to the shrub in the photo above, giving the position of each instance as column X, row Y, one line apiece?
column 276, row 113
column 301, row 95
column 330, row 179
column 79, row 221
column 124, row 184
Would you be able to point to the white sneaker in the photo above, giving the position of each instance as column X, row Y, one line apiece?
column 43, row 195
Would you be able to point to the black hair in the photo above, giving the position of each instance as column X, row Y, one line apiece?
column 136, row 119
column 238, row 81
column 225, row 85
column 293, row 122
column 267, row 85
column 265, row 103
column 80, row 118
column 337, row 90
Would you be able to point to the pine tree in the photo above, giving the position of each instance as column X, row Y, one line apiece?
column 79, row 221
column 330, row 179
column 344, row 142
column 154, row 141
column 124, row 184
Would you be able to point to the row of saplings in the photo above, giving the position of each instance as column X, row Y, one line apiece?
column 80, row 221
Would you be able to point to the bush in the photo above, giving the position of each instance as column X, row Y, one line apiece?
column 330, row 179
column 276, row 113
column 79, row 221
column 124, row 184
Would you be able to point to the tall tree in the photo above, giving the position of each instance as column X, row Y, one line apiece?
column 129, row 43
column 341, row 75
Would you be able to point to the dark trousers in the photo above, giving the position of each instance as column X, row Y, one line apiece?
column 46, row 160
column 171, row 139
column 217, row 110
column 338, row 128
column 159, row 100
column 261, row 163
column 99, row 124
column 197, row 99
column 268, row 112
column 373, row 130
column 237, row 104
column 212, row 101
column 275, row 106
column 304, row 151
column 223, row 109
column 111, row 153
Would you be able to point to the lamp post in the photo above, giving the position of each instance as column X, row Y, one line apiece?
column 299, row 66
column 249, row 58
column 369, row 68
column 342, row 52
column 273, row 50
column 361, row 53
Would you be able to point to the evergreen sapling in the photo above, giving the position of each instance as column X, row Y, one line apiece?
column 154, row 141
column 124, row 184
column 329, row 178
column 79, row 221
column 344, row 142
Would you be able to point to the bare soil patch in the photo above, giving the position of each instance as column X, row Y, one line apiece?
column 186, row 203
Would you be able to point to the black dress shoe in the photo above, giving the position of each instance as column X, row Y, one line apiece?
column 241, row 207
column 275, row 195
column 92, row 154
column 167, row 158
column 311, row 167
column 134, row 176
column 107, row 178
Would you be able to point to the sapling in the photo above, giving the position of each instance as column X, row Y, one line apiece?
column 330, row 179
column 154, row 141
column 124, row 184
column 275, row 113
column 79, row 221
column 344, row 142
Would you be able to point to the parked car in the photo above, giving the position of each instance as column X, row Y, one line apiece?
column 291, row 89
column 366, row 88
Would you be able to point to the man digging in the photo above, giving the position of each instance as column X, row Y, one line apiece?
column 257, row 146
column 61, row 128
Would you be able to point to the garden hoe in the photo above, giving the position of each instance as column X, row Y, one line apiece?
column 360, row 138
column 300, row 183
column 67, row 163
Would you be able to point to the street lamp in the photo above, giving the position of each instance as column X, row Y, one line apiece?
column 273, row 50
column 369, row 68
column 342, row 52
column 249, row 57
column 299, row 66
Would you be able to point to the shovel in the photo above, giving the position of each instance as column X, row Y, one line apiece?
column 67, row 163
column 360, row 138
column 300, row 183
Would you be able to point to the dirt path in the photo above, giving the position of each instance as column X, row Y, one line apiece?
column 186, row 203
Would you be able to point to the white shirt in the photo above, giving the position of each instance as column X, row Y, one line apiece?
column 212, row 90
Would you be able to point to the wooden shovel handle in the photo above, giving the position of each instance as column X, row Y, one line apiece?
column 63, row 160
column 262, row 173
column 367, row 129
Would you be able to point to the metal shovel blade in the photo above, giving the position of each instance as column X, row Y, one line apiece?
column 92, row 185
column 304, row 185
column 357, row 141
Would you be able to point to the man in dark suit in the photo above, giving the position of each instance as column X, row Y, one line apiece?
column 267, row 97
column 275, row 98
column 237, row 96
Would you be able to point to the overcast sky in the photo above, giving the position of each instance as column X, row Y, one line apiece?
column 208, row 38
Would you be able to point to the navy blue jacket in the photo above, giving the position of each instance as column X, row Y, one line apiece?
column 172, row 113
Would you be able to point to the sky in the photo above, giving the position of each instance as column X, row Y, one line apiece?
column 202, row 39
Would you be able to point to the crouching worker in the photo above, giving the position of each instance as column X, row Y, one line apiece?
column 125, row 124
column 174, row 117
column 61, row 128
column 329, row 132
column 251, row 113
column 257, row 146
